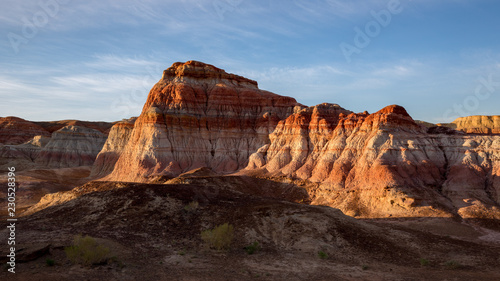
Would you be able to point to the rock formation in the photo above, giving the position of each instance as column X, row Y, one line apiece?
column 197, row 115
column 478, row 124
column 382, row 164
column 53, row 126
column 71, row 146
column 29, row 145
column 370, row 165
column 116, row 142
column 14, row 130
column 22, row 156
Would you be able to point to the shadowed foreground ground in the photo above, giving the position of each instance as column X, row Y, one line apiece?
column 153, row 236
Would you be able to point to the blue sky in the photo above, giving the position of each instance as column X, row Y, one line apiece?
column 97, row 60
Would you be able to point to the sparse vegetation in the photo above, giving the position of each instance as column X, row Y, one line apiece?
column 219, row 238
column 252, row 248
column 86, row 251
column 364, row 267
column 424, row 262
column 50, row 262
column 114, row 259
column 192, row 206
column 452, row 264
column 182, row 252
column 322, row 255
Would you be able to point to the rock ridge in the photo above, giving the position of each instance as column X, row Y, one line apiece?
column 196, row 116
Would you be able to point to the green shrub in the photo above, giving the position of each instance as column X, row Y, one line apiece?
column 192, row 206
column 252, row 248
column 86, row 251
column 364, row 267
column 50, row 262
column 322, row 255
column 452, row 264
column 219, row 238
column 424, row 262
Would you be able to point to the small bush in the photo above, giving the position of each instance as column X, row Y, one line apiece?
column 452, row 264
column 219, row 238
column 192, row 206
column 252, row 248
column 364, row 267
column 86, row 251
column 50, row 262
column 114, row 259
column 322, row 255
column 424, row 262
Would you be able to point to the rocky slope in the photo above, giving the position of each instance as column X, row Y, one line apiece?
column 26, row 144
column 71, row 146
column 154, row 233
column 197, row 115
column 114, row 146
column 384, row 164
column 479, row 124
column 14, row 130
column 53, row 126
column 29, row 150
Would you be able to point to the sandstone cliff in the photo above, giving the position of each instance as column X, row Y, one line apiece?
column 197, row 115
column 383, row 164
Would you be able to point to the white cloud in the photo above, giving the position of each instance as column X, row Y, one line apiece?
column 393, row 71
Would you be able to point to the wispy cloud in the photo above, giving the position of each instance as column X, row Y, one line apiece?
column 115, row 62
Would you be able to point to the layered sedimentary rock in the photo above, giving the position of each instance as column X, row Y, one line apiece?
column 14, row 130
column 197, row 115
column 32, row 147
column 479, row 124
column 114, row 146
column 297, row 137
column 71, row 146
column 36, row 145
column 22, row 156
column 383, row 164
column 53, row 126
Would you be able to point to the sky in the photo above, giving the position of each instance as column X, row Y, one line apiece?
column 97, row 59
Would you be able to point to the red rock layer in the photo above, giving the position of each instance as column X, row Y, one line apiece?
column 14, row 130
column 53, row 126
column 383, row 164
column 198, row 115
